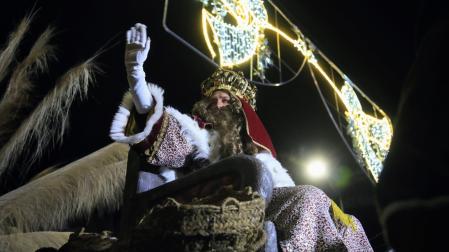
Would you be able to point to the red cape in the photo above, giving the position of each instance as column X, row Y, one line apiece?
column 256, row 130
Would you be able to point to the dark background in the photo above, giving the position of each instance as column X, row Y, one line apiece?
column 372, row 41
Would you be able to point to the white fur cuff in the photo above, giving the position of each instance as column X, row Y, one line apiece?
column 117, row 132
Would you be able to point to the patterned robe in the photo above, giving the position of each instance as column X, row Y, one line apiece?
column 304, row 217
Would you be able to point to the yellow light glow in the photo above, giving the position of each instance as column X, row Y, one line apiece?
column 248, row 30
column 206, row 34
column 371, row 135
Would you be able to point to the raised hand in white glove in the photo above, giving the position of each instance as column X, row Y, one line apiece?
column 137, row 46
column 136, row 52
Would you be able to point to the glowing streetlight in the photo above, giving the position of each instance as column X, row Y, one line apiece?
column 316, row 169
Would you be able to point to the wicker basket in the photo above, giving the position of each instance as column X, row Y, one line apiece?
column 226, row 221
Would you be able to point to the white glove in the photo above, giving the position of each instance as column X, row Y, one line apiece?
column 136, row 52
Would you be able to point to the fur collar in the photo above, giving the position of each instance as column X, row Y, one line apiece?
column 195, row 135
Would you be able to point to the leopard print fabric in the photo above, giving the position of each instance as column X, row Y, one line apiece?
column 304, row 223
column 174, row 149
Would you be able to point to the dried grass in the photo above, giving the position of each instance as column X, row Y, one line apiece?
column 7, row 54
column 19, row 91
column 44, row 128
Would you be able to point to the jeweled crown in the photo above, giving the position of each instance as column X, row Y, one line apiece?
column 233, row 82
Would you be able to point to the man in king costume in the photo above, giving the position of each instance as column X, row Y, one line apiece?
column 223, row 124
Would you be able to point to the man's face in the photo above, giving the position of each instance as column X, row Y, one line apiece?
column 223, row 113
column 219, row 108
column 220, row 98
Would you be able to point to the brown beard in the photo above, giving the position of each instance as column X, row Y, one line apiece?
column 228, row 123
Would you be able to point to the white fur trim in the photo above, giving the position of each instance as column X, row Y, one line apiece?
column 195, row 135
column 279, row 173
column 117, row 132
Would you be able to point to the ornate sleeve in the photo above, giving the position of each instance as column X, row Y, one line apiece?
column 167, row 138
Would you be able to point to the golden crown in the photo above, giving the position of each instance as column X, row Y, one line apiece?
column 234, row 82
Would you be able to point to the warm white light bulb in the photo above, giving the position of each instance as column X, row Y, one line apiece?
column 316, row 169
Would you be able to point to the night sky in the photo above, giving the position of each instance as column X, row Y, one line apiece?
column 372, row 41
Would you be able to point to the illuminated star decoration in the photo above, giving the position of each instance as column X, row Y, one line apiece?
column 239, row 41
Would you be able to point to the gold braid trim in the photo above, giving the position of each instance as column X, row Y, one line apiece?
column 151, row 152
column 233, row 82
column 339, row 215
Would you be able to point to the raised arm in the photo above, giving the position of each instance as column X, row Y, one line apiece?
column 136, row 52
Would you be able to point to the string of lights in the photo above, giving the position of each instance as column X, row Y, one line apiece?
column 238, row 33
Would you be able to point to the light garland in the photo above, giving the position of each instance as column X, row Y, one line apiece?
column 371, row 136
column 237, row 43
